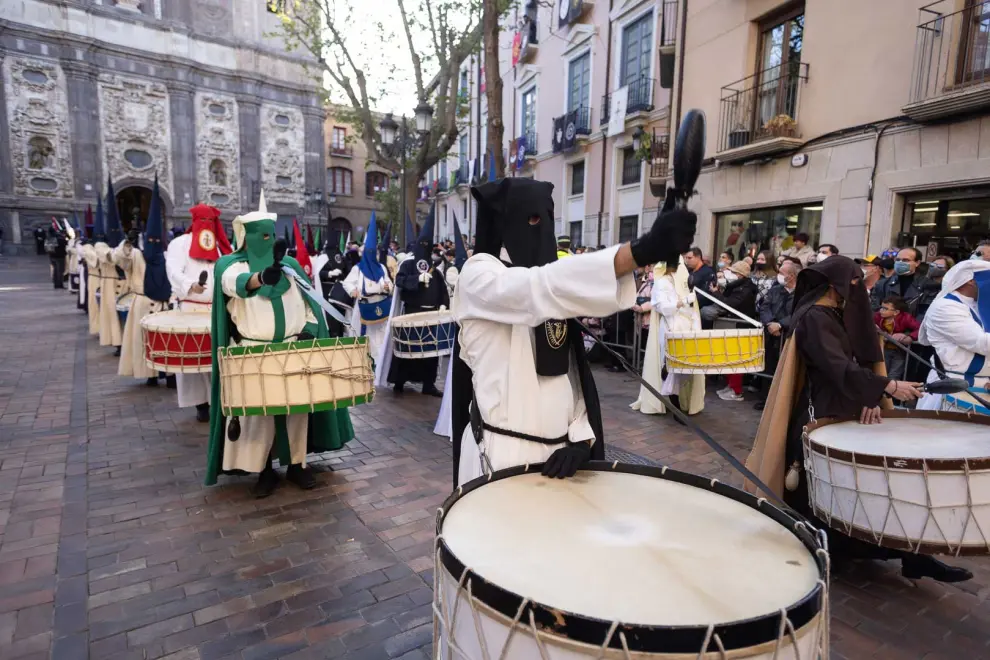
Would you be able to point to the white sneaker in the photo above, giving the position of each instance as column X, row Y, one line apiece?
column 729, row 395
column 723, row 390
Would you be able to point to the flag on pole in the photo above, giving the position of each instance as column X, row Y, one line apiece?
column 302, row 254
column 410, row 231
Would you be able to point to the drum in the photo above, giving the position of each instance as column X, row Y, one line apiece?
column 287, row 378
column 920, row 481
column 124, row 302
column 715, row 351
column 966, row 402
column 621, row 562
column 177, row 341
column 423, row 335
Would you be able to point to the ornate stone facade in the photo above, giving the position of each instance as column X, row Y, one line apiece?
column 136, row 129
column 38, row 120
column 283, row 146
column 218, row 151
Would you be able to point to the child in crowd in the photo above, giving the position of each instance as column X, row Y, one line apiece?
column 895, row 319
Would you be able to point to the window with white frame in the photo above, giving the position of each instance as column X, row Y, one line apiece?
column 340, row 181
column 577, row 178
column 579, row 82
column 637, row 49
column 529, row 112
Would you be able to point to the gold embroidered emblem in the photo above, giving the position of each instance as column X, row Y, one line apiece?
column 207, row 240
column 379, row 312
column 556, row 333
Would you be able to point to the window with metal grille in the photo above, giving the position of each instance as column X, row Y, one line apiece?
column 340, row 180
column 627, row 228
column 579, row 82
column 630, row 167
column 375, row 182
column 577, row 178
column 575, row 233
column 637, row 49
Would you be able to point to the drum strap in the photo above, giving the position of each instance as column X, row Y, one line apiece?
column 478, row 425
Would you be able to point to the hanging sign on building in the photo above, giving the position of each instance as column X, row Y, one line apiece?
column 617, row 111
column 568, row 11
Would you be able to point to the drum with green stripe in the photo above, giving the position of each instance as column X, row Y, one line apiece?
column 288, row 378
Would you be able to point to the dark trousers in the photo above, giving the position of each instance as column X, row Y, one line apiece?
column 58, row 272
column 771, row 351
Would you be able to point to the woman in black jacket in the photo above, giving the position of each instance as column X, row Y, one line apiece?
column 739, row 294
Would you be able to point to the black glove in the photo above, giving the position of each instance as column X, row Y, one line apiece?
column 564, row 462
column 670, row 236
column 304, row 335
column 271, row 275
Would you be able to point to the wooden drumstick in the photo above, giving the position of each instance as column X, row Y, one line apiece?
column 202, row 278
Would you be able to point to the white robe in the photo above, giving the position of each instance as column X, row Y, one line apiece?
column 183, row 272
column 497, row 308
column 110, row 288
column 442, row 426
column 356, row 285
column 92, row 287
column 957, row 337
column 132, row 362
column 255, row 318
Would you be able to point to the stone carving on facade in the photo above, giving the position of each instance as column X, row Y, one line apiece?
column 129, row 5
column 38, row 120
column 136, row 129
column 212, row 16
column 218, row 151
column 282, row 149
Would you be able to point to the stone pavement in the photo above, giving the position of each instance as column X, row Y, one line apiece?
column 111, row 548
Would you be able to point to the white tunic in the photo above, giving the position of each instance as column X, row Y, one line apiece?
column 132, row 362
column 957, row 337
column 497, row 308
column 255, row 320
column 110, row 288
column 356, row 286
column 183, row 272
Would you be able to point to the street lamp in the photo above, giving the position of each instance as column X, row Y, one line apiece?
column 399, row 146
column 637, row 138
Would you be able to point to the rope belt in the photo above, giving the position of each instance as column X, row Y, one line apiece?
column 477, row 424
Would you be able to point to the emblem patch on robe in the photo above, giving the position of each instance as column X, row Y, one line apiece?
column 422, row 266
column 556, row 333
column 207, row 240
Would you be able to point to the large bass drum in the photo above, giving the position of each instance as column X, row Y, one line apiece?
column 920, row 481
column 623, row 562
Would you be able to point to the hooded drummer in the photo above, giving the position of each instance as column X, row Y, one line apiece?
column 831, row 366
column 523, row 389
column 371, row 287
column 188, row 257
column 330, row 270
column 255, row 303
column 420, row 287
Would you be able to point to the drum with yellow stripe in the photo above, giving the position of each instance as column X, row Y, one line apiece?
column 715, row 351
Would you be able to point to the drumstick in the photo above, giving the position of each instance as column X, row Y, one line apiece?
column 202, row 278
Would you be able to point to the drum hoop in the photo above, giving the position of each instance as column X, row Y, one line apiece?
column 741, row 634
column 422, row 319
column 149, row 323
column 901, row 462
column 706, row 334
column 232, row 351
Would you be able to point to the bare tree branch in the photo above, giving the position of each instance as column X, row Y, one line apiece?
column 413, row 55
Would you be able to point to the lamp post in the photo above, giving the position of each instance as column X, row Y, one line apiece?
column 400, row 148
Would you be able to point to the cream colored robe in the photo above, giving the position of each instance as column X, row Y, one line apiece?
column 255, row 317
column 356, row 286
column 110, row 334
column 497, row 308
column 92, row 286
column 132, row 362
column 183, row 272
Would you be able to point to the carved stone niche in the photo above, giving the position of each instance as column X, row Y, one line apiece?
column 282, row 147
column 136, row 129
column 38, row 117
column 129, row 5
column 218, row 150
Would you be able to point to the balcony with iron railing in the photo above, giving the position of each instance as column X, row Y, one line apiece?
column 462, row 177
column 529, row 44
column 659, row 157
column 668, row 25
column 531, row 149
column 571, row 127
column 951, row 68
column 638, row 99
column 758, row 115
column 341, row 151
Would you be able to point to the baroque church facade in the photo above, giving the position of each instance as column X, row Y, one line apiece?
column 200, row 93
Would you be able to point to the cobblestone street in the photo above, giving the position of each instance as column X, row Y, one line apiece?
column 111, row 548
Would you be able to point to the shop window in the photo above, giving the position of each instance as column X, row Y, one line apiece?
column 575, row 234
column 952, row 227
column 751, row 232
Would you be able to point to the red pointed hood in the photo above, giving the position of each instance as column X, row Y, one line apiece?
column 209, row 240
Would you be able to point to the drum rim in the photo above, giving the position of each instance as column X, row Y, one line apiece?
column 899, row 462
column 148, row 322
column 428, row 314
column 704, row 334
column 741, row 634
column 279, row 346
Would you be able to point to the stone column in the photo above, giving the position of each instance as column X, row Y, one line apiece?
column 249, row 115
column 85, row 130
column 182, row 109
column 316, row 156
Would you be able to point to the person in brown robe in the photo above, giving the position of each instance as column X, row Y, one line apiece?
column 831, row 366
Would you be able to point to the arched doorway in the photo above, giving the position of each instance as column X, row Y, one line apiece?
column 133, row 206
column 342, row 225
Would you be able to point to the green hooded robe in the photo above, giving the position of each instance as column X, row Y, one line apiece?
column 328, row 430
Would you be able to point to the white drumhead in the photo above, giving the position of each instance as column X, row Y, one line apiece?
column 423, row 318
column 908, row 437
column 178, row 321
column 630, row 548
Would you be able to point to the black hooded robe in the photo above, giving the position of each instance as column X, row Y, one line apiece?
column 417, row 297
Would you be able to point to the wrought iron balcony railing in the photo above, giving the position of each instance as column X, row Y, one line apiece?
column 659, row 153
column 668, row 24
column 345, row 150
column 761, row 107
column 639, row 98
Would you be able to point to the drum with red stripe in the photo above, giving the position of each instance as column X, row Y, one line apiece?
column 177, row 341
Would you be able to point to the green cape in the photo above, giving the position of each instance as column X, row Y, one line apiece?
column 328, row 430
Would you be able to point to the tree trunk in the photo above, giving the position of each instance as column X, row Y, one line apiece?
column 411, row 194
column 493, row 82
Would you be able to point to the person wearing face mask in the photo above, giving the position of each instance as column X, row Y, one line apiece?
column 775, row 315
column 826, row 250
column 832, row 364
column 739, row 294
column 872, row 272
column 523, row 388
column 764, row 274
column 957, row 327
column 906, row 282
